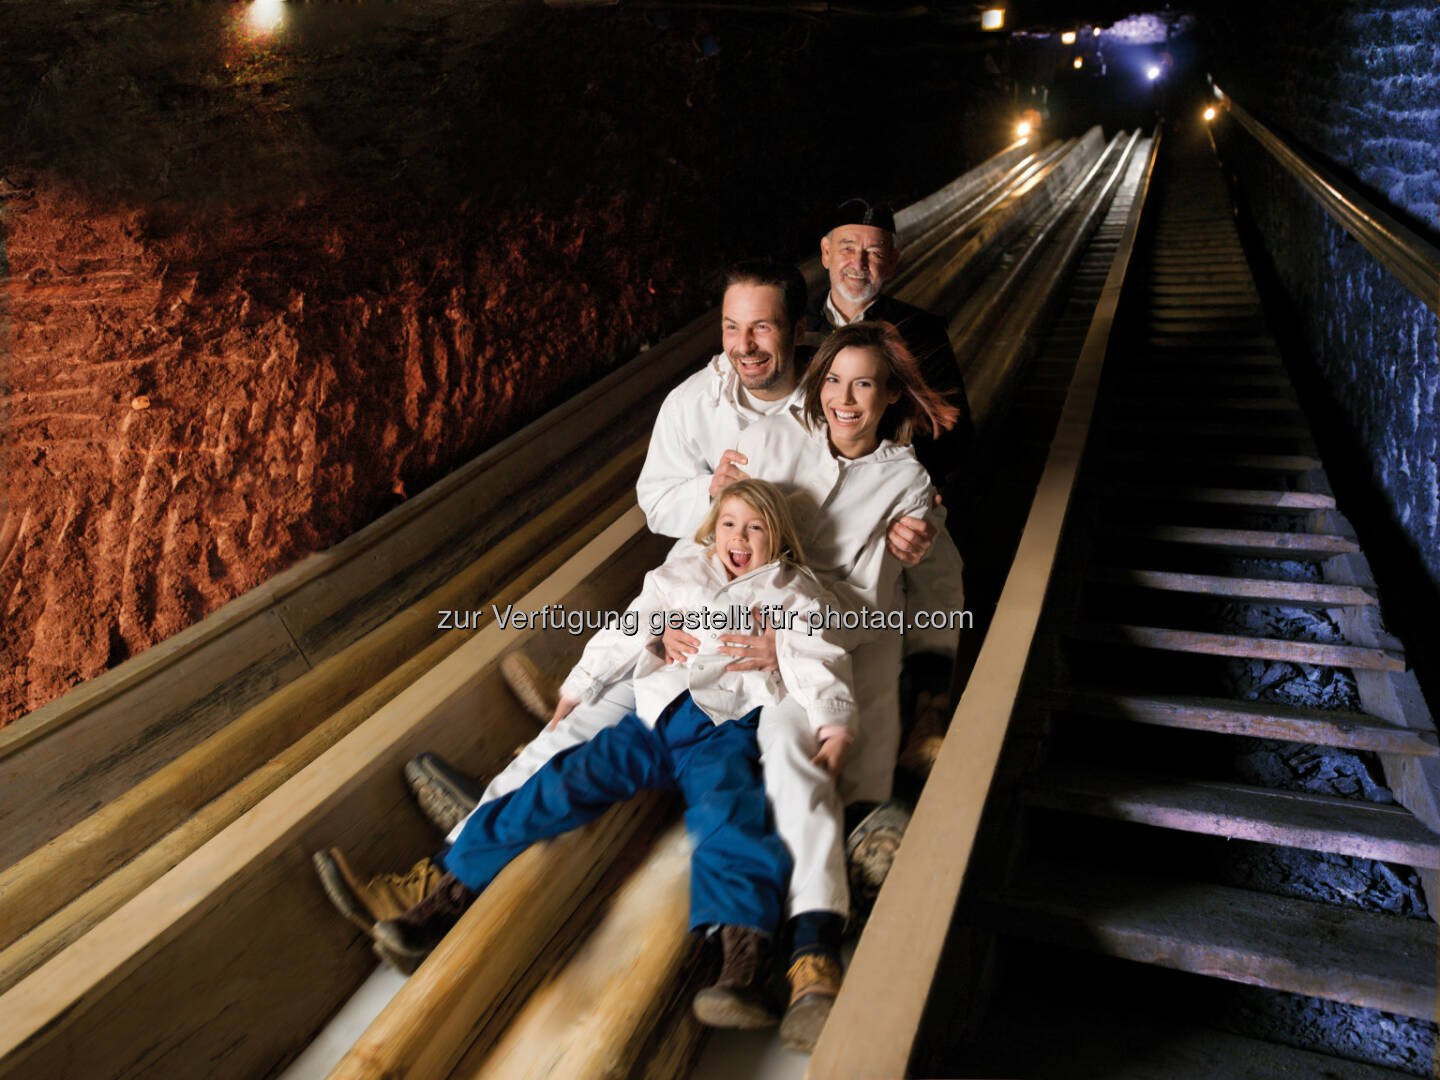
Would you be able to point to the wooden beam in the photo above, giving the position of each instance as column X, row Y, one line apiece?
column 591, row 1020
column 41, row 883
column 1260, row 720
column 1195, row 641
column 168, row 979
column 1259, row 590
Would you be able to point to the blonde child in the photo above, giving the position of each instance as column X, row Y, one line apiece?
column 693, row 730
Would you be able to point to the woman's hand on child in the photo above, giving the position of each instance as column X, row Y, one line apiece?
column 832, row 754
column 563, row 708
column 726, row 472
column 910, row 539
column 679, row 646
column 757, row 651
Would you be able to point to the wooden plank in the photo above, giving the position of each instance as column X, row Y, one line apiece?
column 876, row 1019
column 591, row 1020
column 1297, row 593
column 1303, row 501
column 1258, row 542
column 1181, row 459
column 1195, row 641
column 1121, row 1043
column 169, row 980
column 423, row 1031
column 1153, row 403
column 1364, row 958
column 38, row 885
column 1260, row 720
column 1239, row 812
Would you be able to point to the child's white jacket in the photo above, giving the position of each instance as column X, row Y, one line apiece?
column 813, row 668
column 843, row 509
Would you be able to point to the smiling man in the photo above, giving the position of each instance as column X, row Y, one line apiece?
column 861, row 255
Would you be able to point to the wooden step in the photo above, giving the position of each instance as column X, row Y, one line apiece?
column 1100, row 1041
column 1373, row 960
column 1297, row 501
column 1298, row 819
column 1260, row 462
column 1191, row 379
column 1251, row 648
column 1259, row 590
column 1256, row 719
column 1218, row 428
column 1255, row 542
column 1152, row 403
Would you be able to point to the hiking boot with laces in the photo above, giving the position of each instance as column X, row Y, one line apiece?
column 870, row 851
column 384, row 896
column 408, row 938
column 737, row 998
column 445, row 794
column 814, row 983
column 535, row 690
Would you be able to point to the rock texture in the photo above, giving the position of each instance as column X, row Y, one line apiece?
column 271, row 268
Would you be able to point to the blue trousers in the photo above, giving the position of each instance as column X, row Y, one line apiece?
column 739, row 870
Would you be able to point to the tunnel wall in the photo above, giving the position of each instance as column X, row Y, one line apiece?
column 274, row 268
column 1358, row 86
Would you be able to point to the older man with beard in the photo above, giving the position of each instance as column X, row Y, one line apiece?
column 861, row 255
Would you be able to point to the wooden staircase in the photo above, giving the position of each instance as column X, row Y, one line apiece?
column 1204, row 503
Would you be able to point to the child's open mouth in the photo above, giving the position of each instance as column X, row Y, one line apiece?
column 739, row 560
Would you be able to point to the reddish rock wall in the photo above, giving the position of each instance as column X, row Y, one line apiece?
column 341, row 261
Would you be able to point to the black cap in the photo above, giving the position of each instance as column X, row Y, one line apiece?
column 860, row 212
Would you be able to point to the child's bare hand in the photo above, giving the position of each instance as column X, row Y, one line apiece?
column 563, row 708
column 679, row 646
column 832, row 754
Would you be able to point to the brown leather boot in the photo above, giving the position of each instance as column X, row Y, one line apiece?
column 737, row 999
column 814, row 985
column 407, row 939
column 383, row 896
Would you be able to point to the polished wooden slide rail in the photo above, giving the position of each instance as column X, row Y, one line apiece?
column 210, row 952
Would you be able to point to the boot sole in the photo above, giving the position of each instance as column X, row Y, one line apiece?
column 339, row 894
column 804, row 1021
column 722, row 1009
column 529, row 685
column 441, row 797
column 402, row 963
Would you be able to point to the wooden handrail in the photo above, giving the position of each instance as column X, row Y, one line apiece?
column 875, row 1023
column 1402, row 251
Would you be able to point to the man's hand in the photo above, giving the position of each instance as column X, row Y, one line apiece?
column 726, row 472
column 757, row 650
column 563, row 708
column 910, row 539
column 832, row 754
column 679, row 646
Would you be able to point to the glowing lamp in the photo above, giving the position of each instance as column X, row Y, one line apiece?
column 1079, row 62
column 1097, row 31
column 1022, row 129
column 264, row 17
column 1068, row 37
column 1209, row 114
column 992, row 19
column 1152, row 73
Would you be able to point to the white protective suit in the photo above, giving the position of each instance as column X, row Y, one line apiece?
column 814, row 669
column 843, row 509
